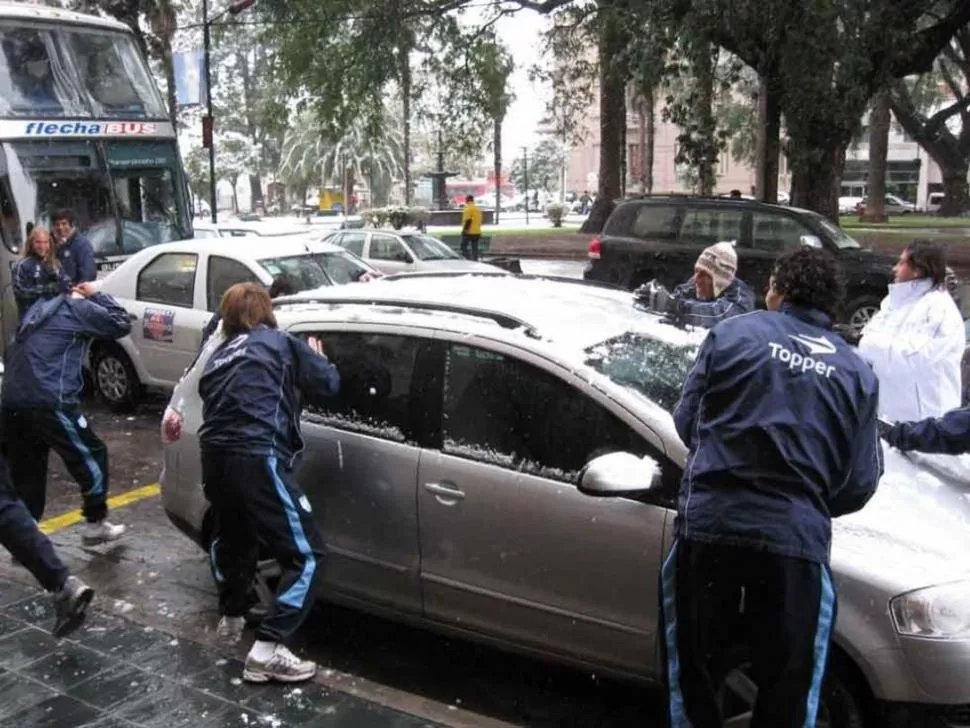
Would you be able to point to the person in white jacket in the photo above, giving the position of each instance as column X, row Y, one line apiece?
column 915, row 342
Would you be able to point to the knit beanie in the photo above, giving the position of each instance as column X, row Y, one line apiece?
column 720, row 262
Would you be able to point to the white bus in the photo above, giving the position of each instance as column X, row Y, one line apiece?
column 82, row 127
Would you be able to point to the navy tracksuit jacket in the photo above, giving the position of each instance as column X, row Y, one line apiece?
column 250, row 437
column 77, row 259
column 33, row 280
column 41, row 395
column 779, row 416
column 949, row 434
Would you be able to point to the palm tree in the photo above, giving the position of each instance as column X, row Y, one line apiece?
column 303, row 149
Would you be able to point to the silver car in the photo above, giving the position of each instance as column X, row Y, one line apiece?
column 458, row 469
column 393, row 251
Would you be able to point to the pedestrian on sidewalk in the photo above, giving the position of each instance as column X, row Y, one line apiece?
column 38, row 274
column 40, row 406
column 779, row 417
column 20, row 535
column 471, row 228
column 250, row 437
column 915, row 343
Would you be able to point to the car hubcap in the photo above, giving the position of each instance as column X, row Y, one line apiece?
column 112, row 379
column 737, row 698
column 861, row 316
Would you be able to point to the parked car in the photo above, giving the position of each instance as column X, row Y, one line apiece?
column 395, row 251
column 661, row 237
column 893, row 206
column 455, row 476
column 934, row 201
column 171, row 291
column 848, row 205
column 247, row 228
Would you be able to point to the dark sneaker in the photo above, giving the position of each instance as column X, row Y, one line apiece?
column 70, row 605
column 282, row 666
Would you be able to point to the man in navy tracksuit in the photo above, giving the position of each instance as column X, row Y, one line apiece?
column 250, row 437
column 779, row 416
column 949, row 434
column 40, row 403
column 74, row 250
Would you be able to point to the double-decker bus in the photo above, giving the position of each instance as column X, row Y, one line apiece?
column 84, row 127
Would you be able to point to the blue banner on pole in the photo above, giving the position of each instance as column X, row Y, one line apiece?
column 189, row 78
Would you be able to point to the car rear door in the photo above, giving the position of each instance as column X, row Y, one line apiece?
column 388, row 254
column 510, row 547
column 702, row 225
column 772, row 233
column 169, row 309
column 221, row 273
column 360, row 463
column 639, row 244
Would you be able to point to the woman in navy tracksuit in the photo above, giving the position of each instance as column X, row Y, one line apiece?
column 250, row 438
column 39, row 274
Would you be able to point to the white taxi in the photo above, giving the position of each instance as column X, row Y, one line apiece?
column 172, row 290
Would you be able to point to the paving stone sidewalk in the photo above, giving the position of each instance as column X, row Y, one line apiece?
column 114, row 673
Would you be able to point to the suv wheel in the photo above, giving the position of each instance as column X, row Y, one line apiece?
column 838, row 707
column 860, row 311
column 115, row 378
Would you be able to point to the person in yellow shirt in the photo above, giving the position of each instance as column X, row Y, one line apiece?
column 471, row 228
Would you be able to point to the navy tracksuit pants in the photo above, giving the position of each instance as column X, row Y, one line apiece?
column 28, row 437
column 725, row 606
column 255, row 501
column 21, row 537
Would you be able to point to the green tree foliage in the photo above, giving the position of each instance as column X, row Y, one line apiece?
column 544, row 164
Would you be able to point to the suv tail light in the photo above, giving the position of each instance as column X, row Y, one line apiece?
column 595, row 247
column 171, row 426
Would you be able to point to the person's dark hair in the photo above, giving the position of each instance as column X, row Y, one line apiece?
column 470, row 198
column 245, row 306
column 283, row 285
column 810, row 278
column 929, row 259
column 64, row 215
column 736, row 194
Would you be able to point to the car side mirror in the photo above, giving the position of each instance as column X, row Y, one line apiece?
column 619, row 474
column 810, row 241
column 406, row 257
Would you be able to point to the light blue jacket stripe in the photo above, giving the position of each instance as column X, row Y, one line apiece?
column 213, row 561
column 295, row 596
column 823, row 633
column 97, row 477
column 678, row 712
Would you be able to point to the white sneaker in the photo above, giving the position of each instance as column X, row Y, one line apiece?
column 102, row 531
column 281, row 665
column 230, row 629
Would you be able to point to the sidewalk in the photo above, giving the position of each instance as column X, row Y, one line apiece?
column 114, row 673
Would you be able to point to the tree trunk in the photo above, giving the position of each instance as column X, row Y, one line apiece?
column 642, row 145
column 406, row 103
column 706, row 170
column 769, row 142
column 650, row 140
column 255, row 192
column 624, row 149
column 349, row 184
column 497, row 159
column 249, row 104
column 956, row 198
column 879, row 120
column 235, row 197
column 817, row 174
column 612, row 40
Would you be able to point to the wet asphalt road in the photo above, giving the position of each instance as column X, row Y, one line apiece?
column 157, row 577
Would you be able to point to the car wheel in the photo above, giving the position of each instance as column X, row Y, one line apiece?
column 838, row 707
column 115, row 378
column 860, row 311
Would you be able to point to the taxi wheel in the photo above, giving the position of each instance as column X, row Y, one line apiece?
column 115, row 378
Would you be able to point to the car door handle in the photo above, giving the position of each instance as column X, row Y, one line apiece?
column 444, row 492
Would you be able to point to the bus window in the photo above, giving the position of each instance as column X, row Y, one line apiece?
column 44, row 177
column 35, row 80
column 114, row 75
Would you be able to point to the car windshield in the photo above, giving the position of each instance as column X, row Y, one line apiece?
column 426, row 247
column 304, row 270
column 655, row 369
column 839, row 236
column 342, row 267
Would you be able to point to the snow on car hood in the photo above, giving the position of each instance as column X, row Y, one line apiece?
column 915, row 531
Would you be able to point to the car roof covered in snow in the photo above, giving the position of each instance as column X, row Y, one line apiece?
column 567, row 312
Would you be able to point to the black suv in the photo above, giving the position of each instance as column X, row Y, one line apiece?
column 661, row 237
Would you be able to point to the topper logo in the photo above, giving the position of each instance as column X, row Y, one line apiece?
column 799, row 363
column 90, row 128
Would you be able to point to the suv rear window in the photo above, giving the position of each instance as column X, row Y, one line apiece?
column 655, row 221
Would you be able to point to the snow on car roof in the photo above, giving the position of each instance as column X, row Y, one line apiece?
column 28, row 11
column 568, row 312
column 254, row 248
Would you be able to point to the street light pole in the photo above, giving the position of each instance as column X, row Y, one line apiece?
column 208, row 124
column 525, row 169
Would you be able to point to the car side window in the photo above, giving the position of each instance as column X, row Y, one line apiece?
column 655, row 222
column 169, row 278
column 776, row 233
column 375, row 396
column 505, row 412
column 709, row 225
column 354, row 242
column 223, row 273
column 386, row 247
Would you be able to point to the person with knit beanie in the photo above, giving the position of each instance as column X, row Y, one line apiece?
column 713, row 294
